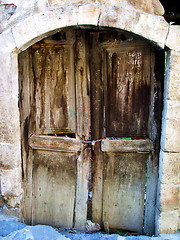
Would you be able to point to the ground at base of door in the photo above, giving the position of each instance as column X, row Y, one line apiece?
column 13, row 230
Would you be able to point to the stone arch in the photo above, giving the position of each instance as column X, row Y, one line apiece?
column 33, row 28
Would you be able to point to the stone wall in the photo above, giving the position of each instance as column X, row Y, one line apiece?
column 169, row 176
column 25, row 22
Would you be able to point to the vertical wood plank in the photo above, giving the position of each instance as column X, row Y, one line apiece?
column 82, row 86
column 97, row 86
column 83, row 174
column 151, row 194
column 97, row 193
column 25, row 110
column 83, row 128
column 97, row 127
column 157, row 77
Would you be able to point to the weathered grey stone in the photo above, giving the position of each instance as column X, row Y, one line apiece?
column 7, row 41
column 170, row 126
column 6, row 217
column 38, row 26
column 173, row 109
column 168, row 221
column 92, row 227
column 173, row 75
column 169, row 165
column 92, row 13
column 24, row 31
column 169, row 197
column 7, row 227
column 169, row 236
column 9, row 157
column 140, row 23
column 9, row 120
column 6, row 11
column 36, row 233
column 173, row 38
column 11, row 186
column 149, row 6
column 57, row 2
column 171, row 142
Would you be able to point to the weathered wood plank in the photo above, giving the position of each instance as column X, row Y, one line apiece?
column 82, row 87
column 83, row 175
column 54, row 183
column 83, row 128
column 145, row 145
column 124, row 179
column 97, row 190
column 128, row 89
column 24, row 104
column 54, row 95
column 157, row 76
column 65, row 144
column 151, row 194
column 97, row 122
column 97, row 86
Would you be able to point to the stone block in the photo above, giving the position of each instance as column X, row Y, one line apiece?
column 58, row 3
column 5, row 76
column 170, row 140
column 49, row 22
column 11, row 188
column 9, row 120
column 169, row 165
column 36, row 233
column 10, row 155
column 168, row 222
column 89, row 1
column 7, row 41
column 7, row 227
column 140, row 23
column 89, row 14
column 174, row 89
column 173, row 76
column 173, row 109
column 169, row 197
column 173, row 38
column 24, row 32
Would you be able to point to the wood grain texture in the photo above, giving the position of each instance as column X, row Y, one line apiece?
column 65, row 144
column 54, row 183
column 97, row 190
column 124, row 179
column 53, row 76
column 80, row 85
column 83, row 174
column 128, row 89
column 145, row 145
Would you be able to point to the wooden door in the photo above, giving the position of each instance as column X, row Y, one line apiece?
column 54, row 108
column 88, row 127
column 126, row 93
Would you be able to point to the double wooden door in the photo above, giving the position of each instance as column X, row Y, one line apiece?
column 89, row 131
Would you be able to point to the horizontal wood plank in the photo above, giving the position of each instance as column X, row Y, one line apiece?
column 64, row 144
column 144, row 145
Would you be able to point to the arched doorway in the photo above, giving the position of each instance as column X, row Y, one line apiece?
column 90, row 129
